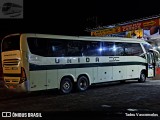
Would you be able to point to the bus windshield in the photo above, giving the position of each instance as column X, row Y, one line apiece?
column 11, row 43
column 147, row 47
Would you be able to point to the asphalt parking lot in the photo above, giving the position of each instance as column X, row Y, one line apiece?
column 110, row 98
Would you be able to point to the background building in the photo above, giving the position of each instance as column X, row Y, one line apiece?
column 145, row 28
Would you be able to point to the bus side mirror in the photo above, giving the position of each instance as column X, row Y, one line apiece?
column 154, row 51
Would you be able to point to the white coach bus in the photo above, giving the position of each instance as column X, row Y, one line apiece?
column 33, row 62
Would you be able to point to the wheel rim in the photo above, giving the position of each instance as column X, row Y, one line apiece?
column 83, row 84
column 66, row 86
column 143, row 77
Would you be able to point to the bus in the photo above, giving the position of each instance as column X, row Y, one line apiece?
column 34, row 62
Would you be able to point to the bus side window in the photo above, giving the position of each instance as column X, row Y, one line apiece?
column 57, row 48
column 119, row 49
column 91, row 48
column 38, row 46
column 108, row 49
column 132, row 49
column 74, row 48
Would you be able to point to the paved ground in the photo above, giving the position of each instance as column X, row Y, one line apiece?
column 111, row 99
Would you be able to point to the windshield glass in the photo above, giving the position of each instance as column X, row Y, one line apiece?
column 147, row 47
column 11, row 43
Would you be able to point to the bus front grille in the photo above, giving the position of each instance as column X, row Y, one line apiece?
column 11, row 80
column 10, row 62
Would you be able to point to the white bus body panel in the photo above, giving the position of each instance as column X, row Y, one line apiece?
column 105, row 74
column 38, row 80
column 119, row 72
column 52, row 79
column 133, row 71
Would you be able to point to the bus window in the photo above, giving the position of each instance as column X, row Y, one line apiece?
column 91, row 48
column 11, row 43
column 38, row 46
column 133, row 49
column 147, row 47
column 119, row 49
column 74, row 48
column 108, row 49
column 57, row 47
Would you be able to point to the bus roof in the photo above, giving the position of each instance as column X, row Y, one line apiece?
column 92, row 38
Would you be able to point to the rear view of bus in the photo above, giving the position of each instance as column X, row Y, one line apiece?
column 13, row 69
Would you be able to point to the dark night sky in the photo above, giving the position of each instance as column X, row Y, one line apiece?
column 70, row 18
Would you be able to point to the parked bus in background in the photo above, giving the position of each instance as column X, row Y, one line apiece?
column 33, row 62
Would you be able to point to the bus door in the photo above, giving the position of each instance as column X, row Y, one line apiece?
column 151, row 64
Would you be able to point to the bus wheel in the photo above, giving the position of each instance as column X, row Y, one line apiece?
column 82, row 83
column 142, row 77
column 66, row 85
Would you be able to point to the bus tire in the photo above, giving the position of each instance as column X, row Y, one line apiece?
column 82, row 83
column 142, row 77
column 66, row 85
